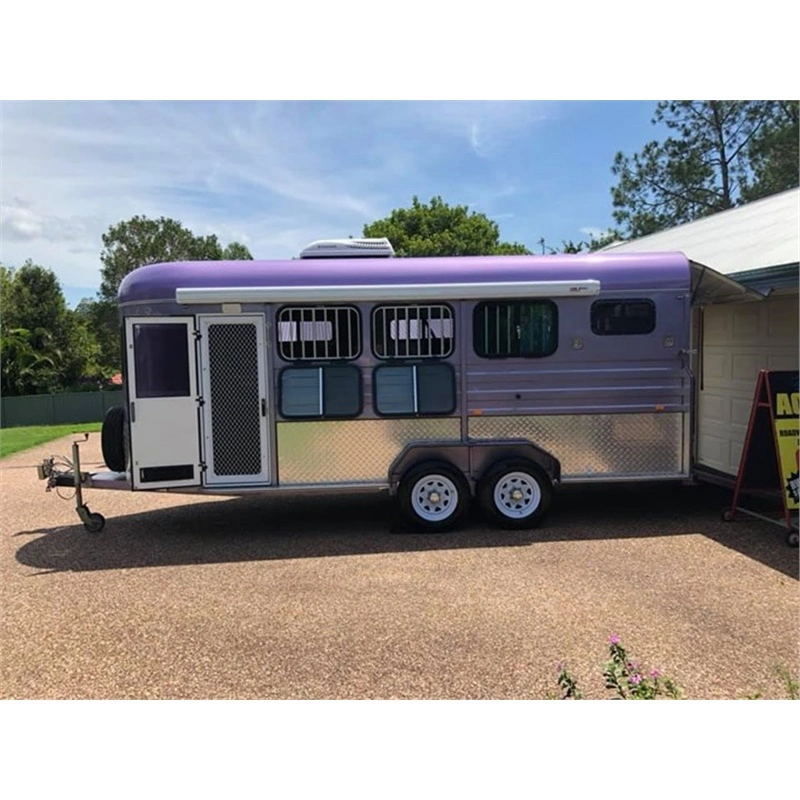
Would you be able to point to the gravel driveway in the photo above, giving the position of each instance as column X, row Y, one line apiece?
column 190, row 597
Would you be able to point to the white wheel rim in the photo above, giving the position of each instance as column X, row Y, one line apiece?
column 434, row 498
column 517, row 495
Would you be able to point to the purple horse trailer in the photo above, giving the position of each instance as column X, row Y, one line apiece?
column 439, row 380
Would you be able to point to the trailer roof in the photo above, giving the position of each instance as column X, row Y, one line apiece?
column 616, row 272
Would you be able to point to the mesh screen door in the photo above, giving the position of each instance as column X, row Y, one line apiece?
column 235, row 409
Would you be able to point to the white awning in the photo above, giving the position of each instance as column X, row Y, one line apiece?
column 710, row 286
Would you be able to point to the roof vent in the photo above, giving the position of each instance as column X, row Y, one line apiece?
column 349, row 248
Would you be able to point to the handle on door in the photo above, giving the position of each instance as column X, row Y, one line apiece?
column 133, row 412
column 263, row 407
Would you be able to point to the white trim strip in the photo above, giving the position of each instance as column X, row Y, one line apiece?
column 400, row 292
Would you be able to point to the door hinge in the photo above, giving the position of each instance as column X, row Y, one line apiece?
column 197, row 336
column 200, row 401
column 203, row 466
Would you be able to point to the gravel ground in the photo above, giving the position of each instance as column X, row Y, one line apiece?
column 189, row 597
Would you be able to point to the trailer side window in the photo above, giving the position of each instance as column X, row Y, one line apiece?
column 515, row 328
column 414, row 390
column 161, row 359
column 623, row 317
column 412, row 331
column 329, row 392
column 307, row 333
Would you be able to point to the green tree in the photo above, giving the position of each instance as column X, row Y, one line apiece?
column 582, row 246
column 101, row 320
column 437, row 229
column 236, row 252
column 719, row 153
column 139, row 241
column 45, row 347
column 23, row 368
column 774, row 153
column 134, row 243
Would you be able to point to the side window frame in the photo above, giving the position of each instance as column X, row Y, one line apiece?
column 598, row 305
column 323, row 400
column 384, row 316
column 346, row 344
column 510, row 328
column 417, row 371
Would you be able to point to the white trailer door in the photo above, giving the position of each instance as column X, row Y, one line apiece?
column 162, row 389
column 235, row 401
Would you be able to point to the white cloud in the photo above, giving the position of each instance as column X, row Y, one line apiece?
column 273, row 176
column 593, row 233
column 20, row 222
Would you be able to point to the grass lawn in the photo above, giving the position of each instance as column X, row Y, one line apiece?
column 12, row 440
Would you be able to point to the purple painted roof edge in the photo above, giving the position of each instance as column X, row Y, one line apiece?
column 615, row 272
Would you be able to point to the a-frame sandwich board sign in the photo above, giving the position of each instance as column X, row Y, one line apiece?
column 770, row 457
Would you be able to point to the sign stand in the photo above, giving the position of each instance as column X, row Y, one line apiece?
column 770, row 460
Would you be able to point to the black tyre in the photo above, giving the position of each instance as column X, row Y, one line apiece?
column 515, row 494
column 112, row 439
column 434, row 496
column 792, row 538
column 95, row 523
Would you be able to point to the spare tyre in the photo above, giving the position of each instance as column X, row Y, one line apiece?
column 112, row 439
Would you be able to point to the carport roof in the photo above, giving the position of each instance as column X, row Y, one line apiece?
column 755, row 236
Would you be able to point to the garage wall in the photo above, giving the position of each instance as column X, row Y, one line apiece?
column 738, row 340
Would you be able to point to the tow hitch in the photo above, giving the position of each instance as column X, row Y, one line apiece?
column 60, row 471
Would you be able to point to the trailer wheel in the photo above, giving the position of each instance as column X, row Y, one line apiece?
column 792, row 538
column 515, row 494
column 95, row 523
column 112, row 439
column 434, row 496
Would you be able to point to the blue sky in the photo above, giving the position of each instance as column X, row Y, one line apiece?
column 277, row 175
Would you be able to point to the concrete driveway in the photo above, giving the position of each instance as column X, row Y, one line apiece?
column 188, row 597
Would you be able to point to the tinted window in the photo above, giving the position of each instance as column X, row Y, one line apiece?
column 161, row 359
column 515, row 328
column 623, row 317
column 300, row 392
column 341, row 391
column 436, row 389
column 326, row 392
column 414, row 389
column 393, row 389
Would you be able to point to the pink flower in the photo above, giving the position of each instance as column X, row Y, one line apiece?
column 655, row 673
column 636, row 679
column 614, row 639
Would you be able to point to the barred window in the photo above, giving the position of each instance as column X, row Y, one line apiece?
column 412, row 331
column 515, row 329
column 314, row 333
column 623, row 317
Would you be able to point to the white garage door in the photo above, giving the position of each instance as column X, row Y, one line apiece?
column 738, row 341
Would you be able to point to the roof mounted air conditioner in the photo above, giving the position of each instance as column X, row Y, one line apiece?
column 349, row 248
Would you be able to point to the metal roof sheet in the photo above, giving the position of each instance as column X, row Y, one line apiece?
column 761, row 234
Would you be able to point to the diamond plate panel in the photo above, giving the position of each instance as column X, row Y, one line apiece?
column 342, row 451
column 235, row 401
column 611, row 445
